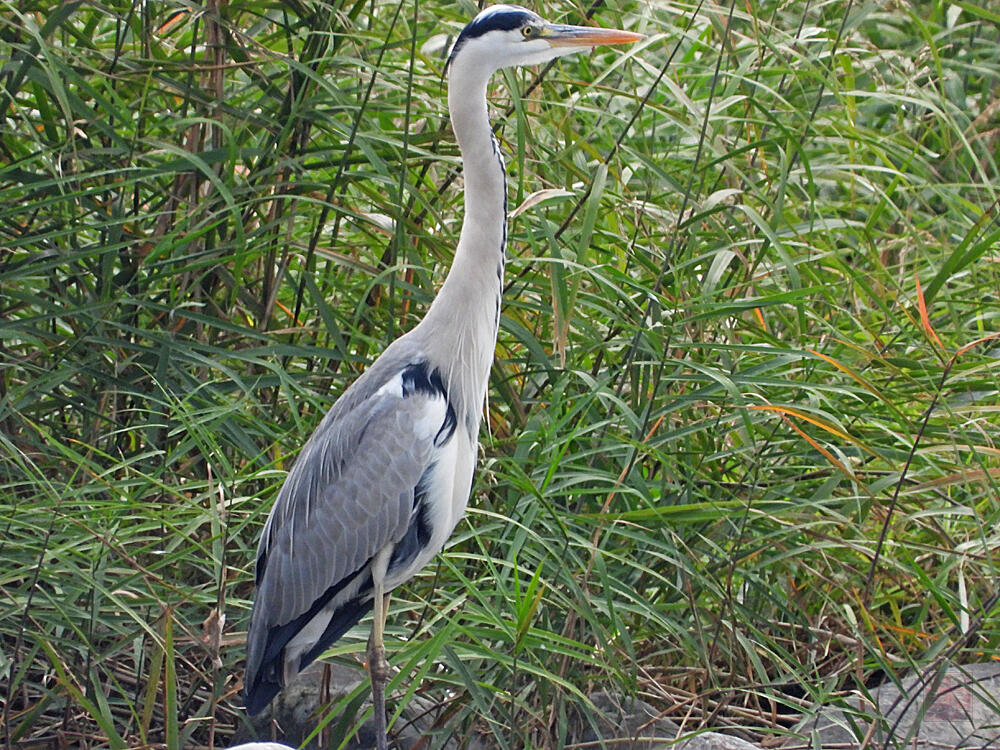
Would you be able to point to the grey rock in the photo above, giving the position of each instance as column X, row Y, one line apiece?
column 622, row 724
column 950, row 708
column 632, row 724
column 619, row 723
column 714, row 741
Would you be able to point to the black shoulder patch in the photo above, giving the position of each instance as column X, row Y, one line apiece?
column 418, row 378
column 447, row 428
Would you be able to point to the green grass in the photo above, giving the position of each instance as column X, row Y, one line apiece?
column 742, row 451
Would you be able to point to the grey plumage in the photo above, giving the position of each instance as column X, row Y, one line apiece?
column 381, row 483
column 365, row 461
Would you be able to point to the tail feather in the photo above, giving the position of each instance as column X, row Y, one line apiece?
column 262, row 686
column 257, row 696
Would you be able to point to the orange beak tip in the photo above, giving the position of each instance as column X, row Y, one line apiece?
column 583, row 36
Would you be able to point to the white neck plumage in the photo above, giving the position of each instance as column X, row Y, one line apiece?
column 466, row 311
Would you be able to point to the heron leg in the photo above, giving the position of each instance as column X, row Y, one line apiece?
column 378, row 667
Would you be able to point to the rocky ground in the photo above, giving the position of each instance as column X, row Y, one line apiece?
column 948, row 707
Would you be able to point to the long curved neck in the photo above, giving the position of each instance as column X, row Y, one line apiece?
column 465, row 314
column 482, row 165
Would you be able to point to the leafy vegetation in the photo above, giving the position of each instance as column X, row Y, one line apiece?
column 742, row 451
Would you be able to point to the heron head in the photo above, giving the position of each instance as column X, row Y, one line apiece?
column 505, row 35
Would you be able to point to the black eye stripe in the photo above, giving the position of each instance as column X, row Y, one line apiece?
column 504, row 19
column 501, row 20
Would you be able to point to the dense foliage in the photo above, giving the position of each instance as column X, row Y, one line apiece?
column 741, row 455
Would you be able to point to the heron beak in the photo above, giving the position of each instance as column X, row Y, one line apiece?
column 581, row 37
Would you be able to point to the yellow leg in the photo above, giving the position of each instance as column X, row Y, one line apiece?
column 378, row 667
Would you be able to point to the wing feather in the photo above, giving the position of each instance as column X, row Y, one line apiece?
column 350, row 493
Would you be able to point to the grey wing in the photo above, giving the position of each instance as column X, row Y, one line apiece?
column 350, row 493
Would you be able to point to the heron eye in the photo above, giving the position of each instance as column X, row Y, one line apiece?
column 528, row 32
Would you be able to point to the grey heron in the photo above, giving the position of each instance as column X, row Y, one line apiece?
column 384, row 479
